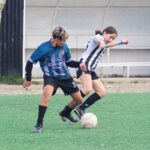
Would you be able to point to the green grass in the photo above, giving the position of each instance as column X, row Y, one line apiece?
column 11, row 80
column 123, row 124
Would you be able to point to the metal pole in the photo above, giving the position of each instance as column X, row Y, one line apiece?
column 24, row 37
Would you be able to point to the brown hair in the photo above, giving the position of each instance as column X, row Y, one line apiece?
column 98, row 32
column 108, row 30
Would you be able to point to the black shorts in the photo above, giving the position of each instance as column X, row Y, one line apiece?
column 92, row 73
column 67, row 85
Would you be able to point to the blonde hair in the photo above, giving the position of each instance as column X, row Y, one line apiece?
column 60, row 32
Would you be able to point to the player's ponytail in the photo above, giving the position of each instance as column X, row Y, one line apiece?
column 98, row 32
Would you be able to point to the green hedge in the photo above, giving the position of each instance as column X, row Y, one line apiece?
column 11, row 80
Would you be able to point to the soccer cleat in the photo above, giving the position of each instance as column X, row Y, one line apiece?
column 38, row 128
column 79, row 112
column 68, row 117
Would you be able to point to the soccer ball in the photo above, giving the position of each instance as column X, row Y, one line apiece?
column 88, row 120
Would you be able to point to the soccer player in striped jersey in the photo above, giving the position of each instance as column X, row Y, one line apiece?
column 90, row 57
column 54, row 57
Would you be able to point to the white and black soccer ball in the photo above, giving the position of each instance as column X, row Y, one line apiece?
column 89, row 120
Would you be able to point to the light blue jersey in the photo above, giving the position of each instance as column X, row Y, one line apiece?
column 52, row 59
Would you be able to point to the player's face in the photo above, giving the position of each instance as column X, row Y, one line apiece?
column 60, row 43
column 109, row 37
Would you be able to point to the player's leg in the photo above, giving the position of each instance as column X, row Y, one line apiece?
column 86, row 82
column 66, row 112
column 98, row 94
column 70, row 88
column 47, row 93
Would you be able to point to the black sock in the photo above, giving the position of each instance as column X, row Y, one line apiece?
column 66, row 110
column 82, row 94
column 41, row 113
column 89, row 101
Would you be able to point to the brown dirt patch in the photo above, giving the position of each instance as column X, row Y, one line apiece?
column 111, row 85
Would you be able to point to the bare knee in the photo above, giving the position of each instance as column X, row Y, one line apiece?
column 101, row 93
column 87, row 91
column 45, row 98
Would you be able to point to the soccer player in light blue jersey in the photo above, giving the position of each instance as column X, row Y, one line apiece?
column 54, row 57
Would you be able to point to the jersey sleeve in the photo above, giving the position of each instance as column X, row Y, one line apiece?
column 98, row 36
column 38, row 54
column 67, row 54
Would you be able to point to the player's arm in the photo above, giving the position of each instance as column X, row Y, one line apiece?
column 72, row 64
column 28, row 75
column 69, row 62
column 114, row 43
column 76, row 64
column 28, row 70
column 38, row 54
column 100, row 42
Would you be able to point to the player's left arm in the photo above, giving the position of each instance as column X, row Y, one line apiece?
column 72, row 64
column 76, row 64
column 114, row 43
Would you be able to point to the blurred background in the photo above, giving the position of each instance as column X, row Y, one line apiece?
column 34, row 20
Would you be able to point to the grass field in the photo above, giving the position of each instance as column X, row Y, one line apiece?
column 123, row 124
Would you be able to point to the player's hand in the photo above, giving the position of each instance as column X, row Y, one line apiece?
column 83, row 67
column 26, row 84
column 125, row 41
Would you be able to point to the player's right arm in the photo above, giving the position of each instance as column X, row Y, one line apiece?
column 28, row 74
column 38, row 54
column 100, row 40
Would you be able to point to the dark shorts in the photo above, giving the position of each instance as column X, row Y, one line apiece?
column 67, row 85
column 92, row 73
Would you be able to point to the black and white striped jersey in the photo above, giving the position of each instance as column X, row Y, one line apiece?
column 92, row 54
